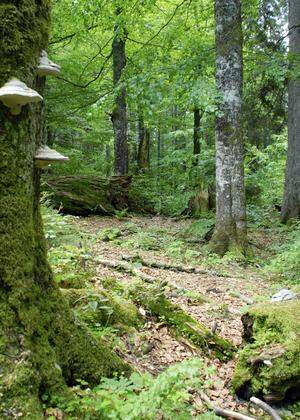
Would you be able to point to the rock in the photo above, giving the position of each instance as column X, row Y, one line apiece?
column 283, row 294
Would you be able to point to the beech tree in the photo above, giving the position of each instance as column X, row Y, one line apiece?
column 291, row 200
column 43, row 348
column 119, row 115
column 230, row 229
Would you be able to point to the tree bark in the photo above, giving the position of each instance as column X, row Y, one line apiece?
column 291, row 200
column 119, row 114
column 143, row 158
column 42, row 346
column 230, row 231
column 197, row 121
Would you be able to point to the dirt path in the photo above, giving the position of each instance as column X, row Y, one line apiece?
column 221, row 312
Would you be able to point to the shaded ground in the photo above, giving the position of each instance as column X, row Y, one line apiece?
column 227, row 288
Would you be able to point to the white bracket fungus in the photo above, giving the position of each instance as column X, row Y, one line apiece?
column 15, row 94
column 45, row 156
column 46, row 67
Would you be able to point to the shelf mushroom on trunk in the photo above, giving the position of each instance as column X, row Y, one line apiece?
column 46, row 67
column 45, row 156
column 15, row 94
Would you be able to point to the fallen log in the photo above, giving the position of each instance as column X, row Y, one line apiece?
column 85, row 195
column 127, row 267
column 152, row 297
column 269, row 364
column 168, row 266
column 88, row 194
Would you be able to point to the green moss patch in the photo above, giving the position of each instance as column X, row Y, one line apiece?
column 269, row 364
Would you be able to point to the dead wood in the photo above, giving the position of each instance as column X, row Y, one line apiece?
column 228, row 414
column 168, row 266
column 128, row 268
column 265, row 407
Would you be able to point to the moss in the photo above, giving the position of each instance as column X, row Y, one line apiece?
column 103, row 307
column 43, row 347
column 273, row 334
column 153, row 298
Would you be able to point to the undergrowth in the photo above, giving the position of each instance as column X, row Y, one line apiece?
column 167, row 396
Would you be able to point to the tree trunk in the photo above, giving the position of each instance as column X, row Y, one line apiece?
column 159, row 147
column 143, row 158
column 291, row 200
column 230, row 231
column 42, row 346
column 197, row 121
column 119, row 115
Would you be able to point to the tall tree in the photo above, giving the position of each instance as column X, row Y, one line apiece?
column 291, row 201
column 230, row 230
column 196, row 138
column 42, row 346
column 143, row 156
column 119, row 114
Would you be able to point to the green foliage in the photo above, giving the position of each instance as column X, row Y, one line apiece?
column 142, row 396
column 68, row 253
column 286, row 264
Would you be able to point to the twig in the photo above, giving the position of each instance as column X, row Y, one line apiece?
column 224, row 413
column 264, row 406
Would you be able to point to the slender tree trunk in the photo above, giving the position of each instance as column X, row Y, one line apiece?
column 119, row 115
column 42, row 346
column 197, row 121
column 291, row 200
column 143, row 158
column 230, row 231
column 159, row 148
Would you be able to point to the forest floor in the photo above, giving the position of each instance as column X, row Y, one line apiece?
column 228, row 287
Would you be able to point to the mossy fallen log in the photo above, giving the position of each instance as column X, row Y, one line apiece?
column 103, row 307
column 86, row 194
column 269, row 364
column 152, row 298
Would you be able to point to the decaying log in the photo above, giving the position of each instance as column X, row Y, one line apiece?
column 268, row 364
column 265, row 407
column 84, row 195
column 128, row 268
column 153, row 298
column 88, row 194
column 168, row 266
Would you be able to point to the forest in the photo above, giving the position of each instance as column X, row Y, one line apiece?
column 149, row 209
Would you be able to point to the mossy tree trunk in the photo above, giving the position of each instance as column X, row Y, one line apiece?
column 291, row 200
column 42, row 347
column 230, row 231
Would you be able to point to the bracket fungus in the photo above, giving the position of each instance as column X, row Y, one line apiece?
column 46, row 67
column 45, row 156
column 15, row 94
